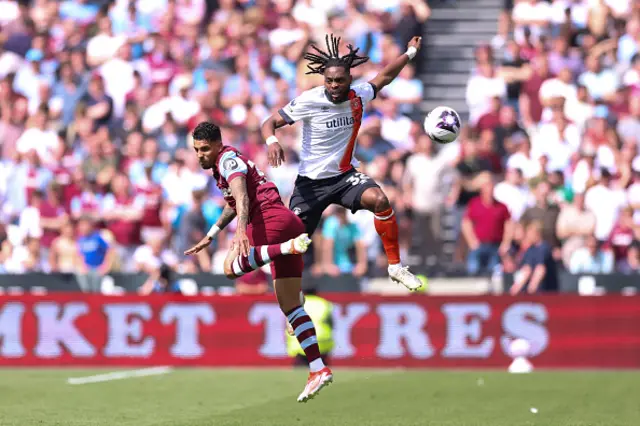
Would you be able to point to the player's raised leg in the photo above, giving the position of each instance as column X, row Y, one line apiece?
column 374, row 200
column 237, row 265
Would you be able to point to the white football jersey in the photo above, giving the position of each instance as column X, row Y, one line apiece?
column 329, row 130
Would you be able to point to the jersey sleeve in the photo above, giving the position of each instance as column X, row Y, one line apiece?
column 367, row 91
column 298, row 109
column 231, row 166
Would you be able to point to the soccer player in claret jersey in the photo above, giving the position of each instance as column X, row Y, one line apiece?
column 267, row 232
column 331, row 116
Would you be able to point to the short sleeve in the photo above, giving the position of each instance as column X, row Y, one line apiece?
column 330, row 228
column 231, row 166
column 367, row 91
column 298, row 109
column 356, row 233
column 535, row 256
column 102, row 243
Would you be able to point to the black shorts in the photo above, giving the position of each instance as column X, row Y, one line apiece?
column 311, row 197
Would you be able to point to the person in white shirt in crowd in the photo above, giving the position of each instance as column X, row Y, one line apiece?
column 532, row 14
column 605, row 200
column 395, row 127
column 406, row 89
column 575, row 223
column 592, row 259
column 513, row 192
column 39, row 137
column 628, row 44
column 423, row 192
column 559, row 92
column 557, row 139
column 148, row 258
column 104, row 45
column 522, row 159
column 481, row 89
column 602, row 83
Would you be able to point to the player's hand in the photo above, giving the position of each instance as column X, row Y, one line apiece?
column 415, row 42
column 241, row 243
column 200, row 246
column 275, row 154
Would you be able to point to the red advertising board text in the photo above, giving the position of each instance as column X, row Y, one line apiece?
column 372, row 331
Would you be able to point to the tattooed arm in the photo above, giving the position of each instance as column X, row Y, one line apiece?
column 227, row 215
column 238, row 188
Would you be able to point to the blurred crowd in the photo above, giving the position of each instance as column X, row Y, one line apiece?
column 98, row 98
column 549, row 169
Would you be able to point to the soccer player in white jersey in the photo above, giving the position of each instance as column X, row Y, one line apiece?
column 331, row 117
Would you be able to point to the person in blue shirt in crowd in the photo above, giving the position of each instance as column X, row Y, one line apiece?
column 162, row 281
column 341, row 238
column 95, row 255
column 538, row 269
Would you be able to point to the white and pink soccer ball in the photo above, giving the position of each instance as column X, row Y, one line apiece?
column 443, row 124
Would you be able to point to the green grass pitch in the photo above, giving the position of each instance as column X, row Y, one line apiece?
column 267, row 397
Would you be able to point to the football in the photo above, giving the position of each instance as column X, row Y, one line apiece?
column 442, row 124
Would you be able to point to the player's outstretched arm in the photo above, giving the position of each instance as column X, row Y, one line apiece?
column 227, row 215
column 275, row 153
column 392, row 70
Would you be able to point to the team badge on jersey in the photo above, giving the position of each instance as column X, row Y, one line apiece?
column 356, row 103
column 230, row 164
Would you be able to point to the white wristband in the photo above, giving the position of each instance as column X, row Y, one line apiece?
column 411, row 52
column 272, row 139
column 213, row 231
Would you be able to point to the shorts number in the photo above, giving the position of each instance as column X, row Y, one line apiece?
column 358, row 179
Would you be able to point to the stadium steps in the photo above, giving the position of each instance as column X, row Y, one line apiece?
column 451, row 34
column 450, row 37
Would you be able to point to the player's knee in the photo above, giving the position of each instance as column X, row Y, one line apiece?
column 381, row 202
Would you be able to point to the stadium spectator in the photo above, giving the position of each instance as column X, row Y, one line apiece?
column 622, row 235
column 63, row 255
column 592, row 259
column 97, row 256
column 513, row 193
column 631, row 265
column 340, row 239
column 481, row 89
column 150, row 257
column 537, row 271
column 545, row 212
column 123, row 212
column 575, row 223
column 605, row 201
column 423, row 192
column 487, row 229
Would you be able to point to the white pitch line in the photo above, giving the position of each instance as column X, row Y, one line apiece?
column 119, row 375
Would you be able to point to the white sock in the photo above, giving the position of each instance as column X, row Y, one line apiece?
column 394, row 268
column 316, row 365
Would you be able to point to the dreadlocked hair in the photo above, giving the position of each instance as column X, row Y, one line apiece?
column 323, row 60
